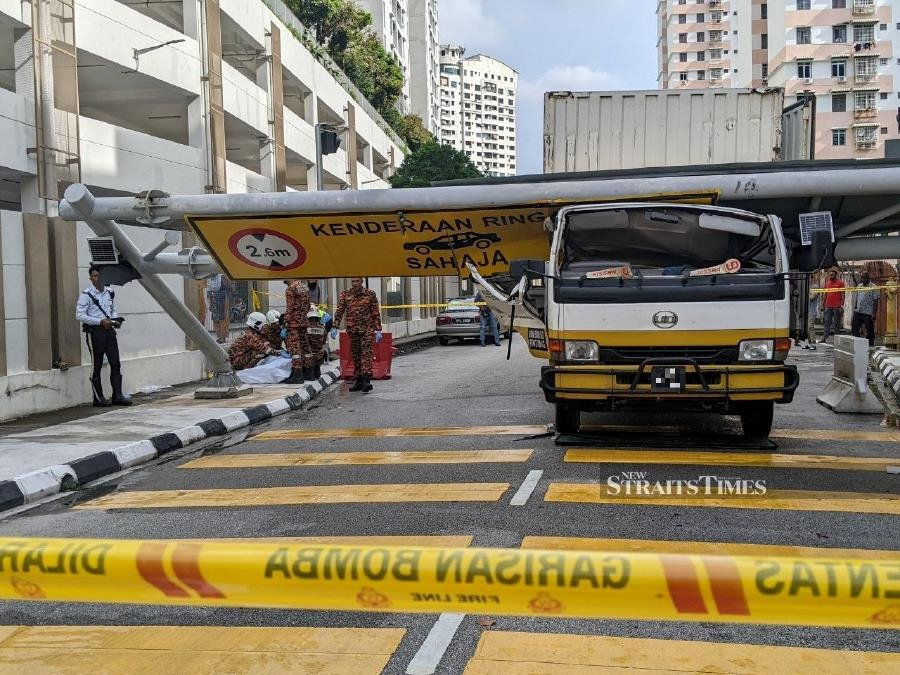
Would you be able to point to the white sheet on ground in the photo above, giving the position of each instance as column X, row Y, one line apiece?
column 271, row 370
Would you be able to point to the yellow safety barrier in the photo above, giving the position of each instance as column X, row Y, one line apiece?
column 859, row 593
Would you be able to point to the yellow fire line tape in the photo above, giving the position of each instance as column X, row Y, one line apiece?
column 853, row 592
column 850, row 289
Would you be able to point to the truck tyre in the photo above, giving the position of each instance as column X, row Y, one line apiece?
column 568, row 417
column 756, row 419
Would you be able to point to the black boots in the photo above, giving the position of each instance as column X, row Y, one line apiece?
column 296, row 377
column 309, row 374
column 118, row 398
column 356, row 386
column 317, row 371
column 97, row 388
column 366, row 384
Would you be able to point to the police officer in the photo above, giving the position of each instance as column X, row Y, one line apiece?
column 360, row 306
column 96, row 310
column 295, row 319
column 251, row 346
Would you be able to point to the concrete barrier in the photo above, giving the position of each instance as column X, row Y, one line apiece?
column 848, row 391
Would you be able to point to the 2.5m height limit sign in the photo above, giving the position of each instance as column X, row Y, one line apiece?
column 433, row 243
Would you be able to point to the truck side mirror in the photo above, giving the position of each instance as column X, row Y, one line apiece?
column 818, row 255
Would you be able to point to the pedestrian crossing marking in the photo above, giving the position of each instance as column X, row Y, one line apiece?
column 701, row 548
column 791, row 500
column 359, row 458
column 306, row 494
column 397, row 432
column 195, row 649
column 565, row 654
column 704, row 458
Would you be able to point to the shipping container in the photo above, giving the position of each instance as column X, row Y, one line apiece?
column 597, row 130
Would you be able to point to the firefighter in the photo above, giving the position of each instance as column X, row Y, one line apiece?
column 316, row 337
column 360, row 307
column 251, row 347
column 296, row 322
column 273, row 329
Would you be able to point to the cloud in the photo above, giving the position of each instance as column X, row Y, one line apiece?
column 567, row 78
column 466, row 22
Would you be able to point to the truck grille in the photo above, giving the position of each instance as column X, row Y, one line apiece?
column 613, row 355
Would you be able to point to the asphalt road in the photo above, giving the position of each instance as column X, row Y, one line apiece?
column 469, row 386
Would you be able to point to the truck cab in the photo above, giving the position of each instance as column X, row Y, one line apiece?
column 658, row 306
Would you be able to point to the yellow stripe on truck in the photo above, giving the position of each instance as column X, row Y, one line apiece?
column 854, row 592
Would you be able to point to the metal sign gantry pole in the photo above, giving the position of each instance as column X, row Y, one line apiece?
column 224, row 383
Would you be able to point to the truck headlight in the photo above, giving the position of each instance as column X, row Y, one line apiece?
column 756, row 350
column 581, row 350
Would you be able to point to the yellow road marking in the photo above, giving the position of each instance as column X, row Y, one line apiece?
column 836, row 435
column 701, row 548
column 193, row 649
column 521, row 653
column 791, row 500
column 703, row 458
column 394, row 432
column 337, row 458
column 307, row 494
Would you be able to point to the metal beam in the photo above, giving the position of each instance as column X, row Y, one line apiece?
column 863, row 223
column 81, row 204
column 868, row 248
column 749, row 188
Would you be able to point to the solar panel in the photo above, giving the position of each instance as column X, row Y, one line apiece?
column 103, row 251
column 814, row 222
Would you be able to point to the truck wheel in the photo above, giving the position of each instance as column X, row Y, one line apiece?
column 444, row 341
column 568, row 417
column 756, row 419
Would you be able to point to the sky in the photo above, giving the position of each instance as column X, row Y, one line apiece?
column 556, row 45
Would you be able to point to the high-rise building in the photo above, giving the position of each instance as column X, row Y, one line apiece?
column 424, row 68
column 839, row 50
column 478, row 109
column 390, row 21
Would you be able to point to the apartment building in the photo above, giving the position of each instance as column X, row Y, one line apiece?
column 478, row 109
column 424, row 70
column 839, row 50
column 189, row 97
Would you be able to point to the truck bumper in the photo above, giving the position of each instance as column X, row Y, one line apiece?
column 705, row 386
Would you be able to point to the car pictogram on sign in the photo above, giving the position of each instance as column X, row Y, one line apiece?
column 451, row 242
column 267, row 249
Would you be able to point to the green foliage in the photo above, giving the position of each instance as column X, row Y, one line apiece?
column 433, row 162
column 342, row 28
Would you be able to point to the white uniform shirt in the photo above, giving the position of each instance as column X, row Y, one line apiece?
column 88, row 312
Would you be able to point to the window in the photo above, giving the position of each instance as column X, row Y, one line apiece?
column 764, row 11
column 682, row 38
column 866, row 137
column 838, row 4
column 839, row 68
column 701, row 37
column 882, row 26
column 715, row 74
column 701, row 56
column 682, row 58
column 804, row 36
column 884, row 131
column 839, row 137
column 883, row 96
column 764, row 41
column 682, row 18
column 883, row 62
column 864, row 33
column 682, row 77
column 701, row 18
column 802, row 4
column 701, row 74
column 839, row 103
column 804, row 69
column 839, row 34
column 864, row 100
column 765, row 72
column 715, row 54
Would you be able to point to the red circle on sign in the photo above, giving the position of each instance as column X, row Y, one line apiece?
column 263, row 248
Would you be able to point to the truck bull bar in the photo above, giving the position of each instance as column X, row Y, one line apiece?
column 792, row 379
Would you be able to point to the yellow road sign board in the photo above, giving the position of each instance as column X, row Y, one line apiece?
column 385, row 243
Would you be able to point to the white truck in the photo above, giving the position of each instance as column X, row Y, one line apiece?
column 657, row 306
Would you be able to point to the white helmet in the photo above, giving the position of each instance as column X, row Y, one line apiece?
column 256, row 320
column 313, row 312
column 272, row 316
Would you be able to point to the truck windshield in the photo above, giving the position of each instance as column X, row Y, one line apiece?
column 665, row 241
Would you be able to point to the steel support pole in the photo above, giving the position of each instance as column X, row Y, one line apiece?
column 319, row 172
column 862, row 223
column 81, row 201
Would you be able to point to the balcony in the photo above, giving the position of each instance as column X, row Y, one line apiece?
column 867, row 143
column 865, row 113
column 864, row 78
column 863, row 7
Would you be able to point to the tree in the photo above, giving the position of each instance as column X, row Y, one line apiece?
column 412, row 130
column 433, row 162
column 376, row 73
